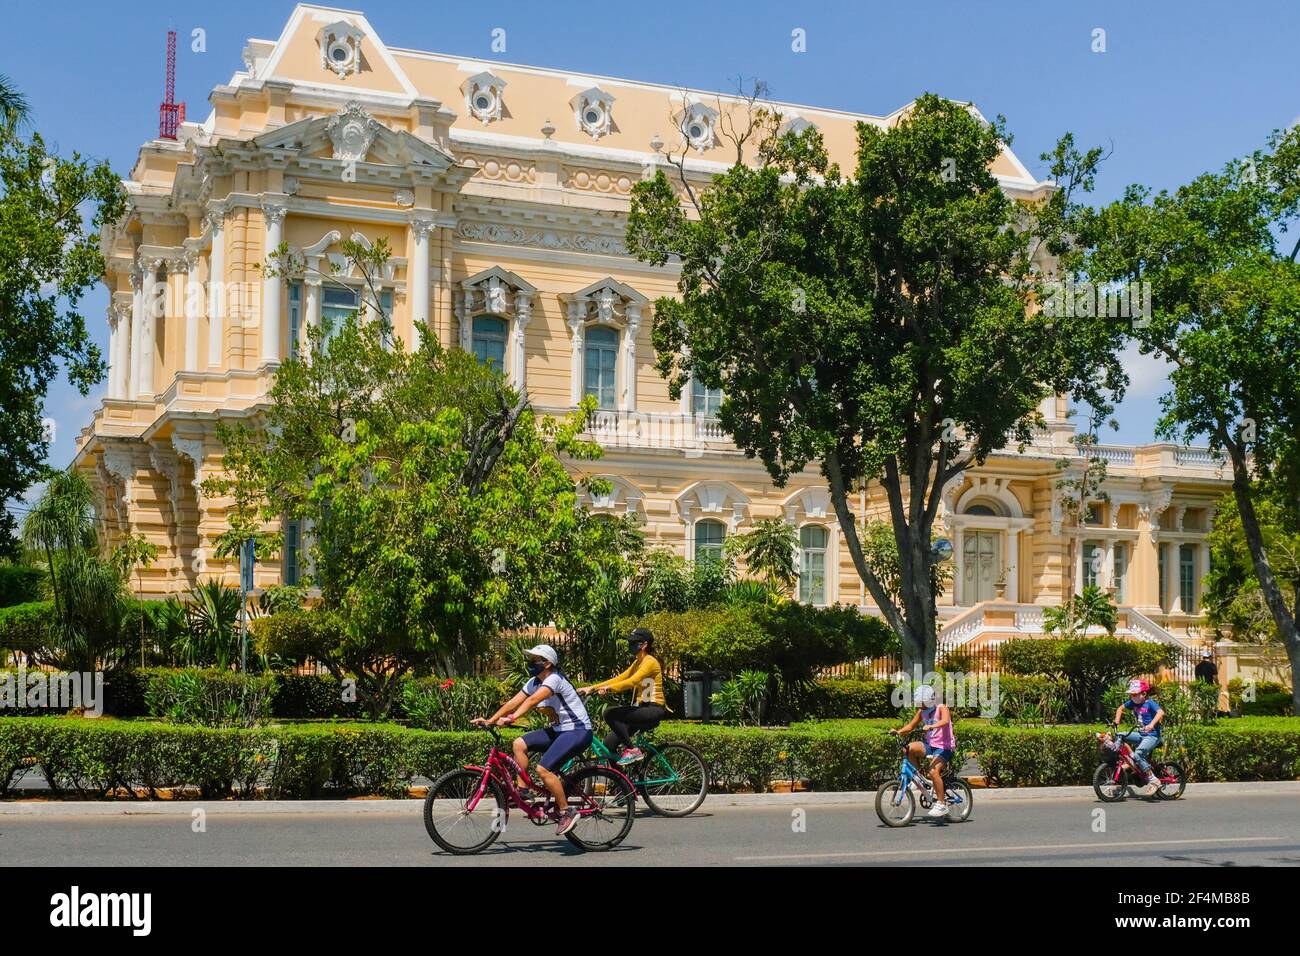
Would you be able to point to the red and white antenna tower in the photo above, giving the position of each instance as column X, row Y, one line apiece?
column 171, row 114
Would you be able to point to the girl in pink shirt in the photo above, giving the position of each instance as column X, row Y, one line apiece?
column 936, row 720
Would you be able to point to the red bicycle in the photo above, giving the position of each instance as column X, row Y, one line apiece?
column 1118, row 772
column 468, row 808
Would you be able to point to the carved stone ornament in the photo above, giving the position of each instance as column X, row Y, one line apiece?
column 352, row 131
column 340, row 48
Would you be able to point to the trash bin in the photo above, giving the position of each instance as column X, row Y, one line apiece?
column 695, row 698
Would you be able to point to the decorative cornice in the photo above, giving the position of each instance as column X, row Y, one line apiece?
column 542, row 238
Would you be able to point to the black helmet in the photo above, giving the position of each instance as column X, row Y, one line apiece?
column 639, row 636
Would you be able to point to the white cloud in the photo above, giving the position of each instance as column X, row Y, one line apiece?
column 1148, row 374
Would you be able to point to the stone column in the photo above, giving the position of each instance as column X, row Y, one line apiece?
column 958, row 565
column 312, row 284
column 137, row 331
column 518, row 352
column 216, row 220
column 1202, row 569
column 417, row 273
column 273, row 214
column 576, row 320
column 191, row 313
column 1173, row 578
column 114, row 369
column 152, row 310
column 1013, row 565
column 629, row 355
column 122, row 353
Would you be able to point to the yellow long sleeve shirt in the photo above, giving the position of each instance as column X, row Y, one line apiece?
column 645, row 678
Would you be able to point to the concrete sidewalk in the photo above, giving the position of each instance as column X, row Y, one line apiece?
column 55, row 808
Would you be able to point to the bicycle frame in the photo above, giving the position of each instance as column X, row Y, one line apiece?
column 652, row 754
column 503, row 767
column 1124, row 755
column 907, row 773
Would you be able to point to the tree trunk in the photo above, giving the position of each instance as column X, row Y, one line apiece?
column 1272, row 591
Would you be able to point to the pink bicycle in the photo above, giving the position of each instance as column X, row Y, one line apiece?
column 468, row 808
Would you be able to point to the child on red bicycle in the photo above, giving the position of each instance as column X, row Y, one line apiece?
column 1146, row 737
column 940, row 743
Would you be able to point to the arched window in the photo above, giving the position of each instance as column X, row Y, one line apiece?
column 709, row 536
column 601, row 362
column 812, row 564
column 489, row 342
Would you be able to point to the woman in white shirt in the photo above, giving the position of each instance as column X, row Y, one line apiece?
column 568, row 735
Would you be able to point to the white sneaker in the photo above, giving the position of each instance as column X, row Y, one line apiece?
column 1150, row 788
column 939, row 810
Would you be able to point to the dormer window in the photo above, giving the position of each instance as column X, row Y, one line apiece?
column 484, row 96
column 594, row 111
column 340, row 48
column 698, row 125
column 794, row 123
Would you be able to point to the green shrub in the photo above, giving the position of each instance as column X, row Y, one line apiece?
column 432, row 703
column 20, row 584
column 311, row 696
column 211, row 698
column 1268, row 704
column 742, row 699
column 1031, row 700
column 92, row 758
column 1090, row 665
column 26, row 627
column 849, row 697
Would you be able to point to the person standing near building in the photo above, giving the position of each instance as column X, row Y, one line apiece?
column 1207, row 670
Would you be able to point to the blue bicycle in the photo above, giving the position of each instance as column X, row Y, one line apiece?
column 896, row 800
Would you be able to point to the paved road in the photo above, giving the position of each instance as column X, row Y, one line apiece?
column 1203, row 829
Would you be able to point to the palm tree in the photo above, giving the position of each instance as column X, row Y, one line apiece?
column 61, row 522
column 14, row 108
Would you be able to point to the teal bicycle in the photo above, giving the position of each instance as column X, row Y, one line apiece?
column 672, row 778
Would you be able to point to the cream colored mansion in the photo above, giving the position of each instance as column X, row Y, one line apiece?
column 502, row 191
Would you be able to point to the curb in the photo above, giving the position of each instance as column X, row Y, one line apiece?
column 62, row 808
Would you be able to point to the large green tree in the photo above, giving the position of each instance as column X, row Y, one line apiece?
column 438, row 506
column 1225, row 302
column 880, row 326
column 51, row 210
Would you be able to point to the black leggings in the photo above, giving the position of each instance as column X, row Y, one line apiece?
column 624, row 720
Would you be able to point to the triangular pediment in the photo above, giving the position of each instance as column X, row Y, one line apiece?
column 628, row 293
column 351, row 135
column 504, row 275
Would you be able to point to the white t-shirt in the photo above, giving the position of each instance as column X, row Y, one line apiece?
column 567, row 712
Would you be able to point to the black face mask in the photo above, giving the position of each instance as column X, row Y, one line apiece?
column 535, row 668
column 635, row 646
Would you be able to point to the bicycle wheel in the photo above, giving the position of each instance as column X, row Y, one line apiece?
column 1107, row 788
column 1173, row 780
column 674, row 779
column 960, row 800
column 895, row 804
column 606, row 805
column 455, row 828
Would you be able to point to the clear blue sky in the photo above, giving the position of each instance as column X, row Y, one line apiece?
column 1182, row 86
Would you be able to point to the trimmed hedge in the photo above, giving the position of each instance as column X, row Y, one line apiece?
column 20, row 584
column 91, row 758
column 26, row 627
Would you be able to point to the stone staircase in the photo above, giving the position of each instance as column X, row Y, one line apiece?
column 995, row 622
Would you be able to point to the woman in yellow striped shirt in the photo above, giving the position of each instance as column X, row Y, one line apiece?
column 645, row 678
